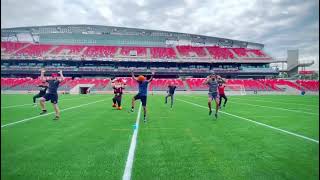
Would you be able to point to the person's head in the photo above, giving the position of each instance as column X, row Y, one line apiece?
column 213, row 77
column 171, row 83
column 220, row 84
column 54, row 76
column 141, row 78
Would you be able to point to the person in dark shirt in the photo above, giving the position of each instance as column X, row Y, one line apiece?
column 142, row 94
column 43, row 88
column 222, row 94
column 118, row 87
column 212, row 82
column 170, row 91
column 52, row 93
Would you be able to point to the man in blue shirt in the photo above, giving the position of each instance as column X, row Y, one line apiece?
column 143, row 92
column 52, row 93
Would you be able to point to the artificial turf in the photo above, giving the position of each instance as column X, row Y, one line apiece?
column 92, row 141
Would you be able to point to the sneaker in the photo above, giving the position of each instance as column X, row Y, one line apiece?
column 224, row 105
column 119, row 108
column 114, row 105
column 144, row 120
column 210, row 112
column 219, row 107
column 216, row 115
column 56, row 118
column 132, row 110
column 43, row 112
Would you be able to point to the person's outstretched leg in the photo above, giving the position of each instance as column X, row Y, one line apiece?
column 225, row 100
column 209, row 105
column 132, row 104
column 42, row 105
column 114, row 102
column 57, row 110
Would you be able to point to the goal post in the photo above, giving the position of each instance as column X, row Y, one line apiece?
column 235, row 89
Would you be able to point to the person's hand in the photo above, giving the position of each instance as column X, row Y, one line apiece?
column 42, row 70
column 153, row 72
column 60, row 72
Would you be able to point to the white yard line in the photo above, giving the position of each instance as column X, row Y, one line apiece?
column 28, row 119
column 129, row 163
column 276, row 102
column 32, row 104
column 262, row 124
column 277, row 108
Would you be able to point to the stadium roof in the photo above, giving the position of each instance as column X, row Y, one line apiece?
column 125, row 31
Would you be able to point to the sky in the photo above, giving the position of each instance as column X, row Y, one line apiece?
column 278, row 24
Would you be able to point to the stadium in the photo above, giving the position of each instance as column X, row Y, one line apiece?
column 269, row 128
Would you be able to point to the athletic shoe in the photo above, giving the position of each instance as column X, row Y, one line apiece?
column 210, row 112
column 224, row 105
column 132, row 110
column 114, row 105
column 56, row 118
column 216, row 115
column 119, row 108
column 144, row 120
column 219, row 107
column 43, row 112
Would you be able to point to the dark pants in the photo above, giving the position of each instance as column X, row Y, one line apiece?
column 37, row 96
column 171, row 95
column 117, row 99
column 225, row 99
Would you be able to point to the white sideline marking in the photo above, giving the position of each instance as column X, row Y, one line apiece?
column 32, row 104
column 278, row 108
column 28, row 119
column 298, row 104
column 262, row 124
column 129, row 163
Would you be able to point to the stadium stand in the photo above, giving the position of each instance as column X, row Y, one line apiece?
column 160, row 52
column 216, row 52
column 195, row 84
column 309, row 84
column 189, row 51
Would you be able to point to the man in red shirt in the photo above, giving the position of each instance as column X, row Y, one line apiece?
column 222, row 95
column 118, row 87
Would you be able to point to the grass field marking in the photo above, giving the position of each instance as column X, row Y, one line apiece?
column 278, row 108
column 262, row 124
column 129, row 162
column 28, row 119
column 276, row 102
column 37, row 103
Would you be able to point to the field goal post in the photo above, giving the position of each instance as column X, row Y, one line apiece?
column 235, row 89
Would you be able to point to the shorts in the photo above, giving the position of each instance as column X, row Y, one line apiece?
column 52, row 97
column 142, row 98
column 213, row 95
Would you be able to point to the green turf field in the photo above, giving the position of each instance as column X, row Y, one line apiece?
column 254, row 137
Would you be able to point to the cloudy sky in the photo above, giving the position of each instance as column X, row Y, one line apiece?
column 279, row 24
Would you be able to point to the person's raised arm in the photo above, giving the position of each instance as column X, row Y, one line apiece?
column 132, row 74
column 42, row 75
column 151, row 78
column 61, row 76
column 205, row 82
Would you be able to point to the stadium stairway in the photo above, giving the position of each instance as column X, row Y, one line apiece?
column 234, row 54
column 148, row 53
column 177, row 52
column 25, row 46
column 207, row 53
column 82, row 51
column 50, row 50
column 117, row 54
column 187, row 87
